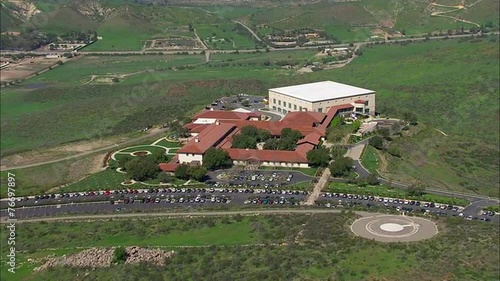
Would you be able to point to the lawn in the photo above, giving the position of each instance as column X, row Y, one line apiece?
column 151, row 148
column 369, row 159
column 167, row 143
column 384, row 191
column 106, row 180
column 303, row 185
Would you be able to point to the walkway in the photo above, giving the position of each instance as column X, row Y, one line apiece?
column 318, row 187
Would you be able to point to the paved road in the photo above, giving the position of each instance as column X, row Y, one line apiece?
column 275, row 117
column 4, row 52
column 106, row 148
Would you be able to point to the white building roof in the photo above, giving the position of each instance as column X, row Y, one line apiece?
column 242, row 110
column 320, row 91
column 201, row 121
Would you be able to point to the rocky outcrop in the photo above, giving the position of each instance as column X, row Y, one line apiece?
column 21, row 9
column 103, row 257
column 93, row 9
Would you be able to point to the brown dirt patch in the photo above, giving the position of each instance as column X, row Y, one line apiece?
column 140, row 153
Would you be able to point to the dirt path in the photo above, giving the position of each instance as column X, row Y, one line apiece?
column 199, row 39
column 249, row 30
column 105, row 148
column 191, row 214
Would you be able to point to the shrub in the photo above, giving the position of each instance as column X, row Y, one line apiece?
column 377, row 142
column 120, row 255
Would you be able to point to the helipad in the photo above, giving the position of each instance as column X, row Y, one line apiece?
column 392, row 228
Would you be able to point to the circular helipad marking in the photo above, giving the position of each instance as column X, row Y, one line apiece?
column 392, row 227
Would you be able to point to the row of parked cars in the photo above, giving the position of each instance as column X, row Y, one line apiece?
column 246, row 176
column 176, row 199
column 270, row 200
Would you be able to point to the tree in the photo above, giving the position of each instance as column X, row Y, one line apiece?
column 165, row 177
column 318, row 157
column 372, row 180
column 120, row 255
column 341, row 167
column 416, row 189
column 142, row 168
column 122, row 161
column 216, row 158
column 337, row 151
column 182, row 171
column 244, row 141
column 355, row 125
column 385, row 132
column 245, row 103
column 197, row 173
column 377, row 142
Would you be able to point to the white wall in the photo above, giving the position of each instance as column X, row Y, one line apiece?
column 274, row 164
column 189, row 157
column 324, row 105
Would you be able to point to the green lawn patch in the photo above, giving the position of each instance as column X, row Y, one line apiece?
column 107, row 179
column 166, row 143
column 150, row 148
column 369, row 159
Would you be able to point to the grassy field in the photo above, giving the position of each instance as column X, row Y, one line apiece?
column 325, row 249
column 384, row 191
column 369, row 159
column 460, row 79
column 225, row 36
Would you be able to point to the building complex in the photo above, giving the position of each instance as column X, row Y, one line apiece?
column 308, row 108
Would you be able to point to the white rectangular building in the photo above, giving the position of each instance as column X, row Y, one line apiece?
column 320, row 96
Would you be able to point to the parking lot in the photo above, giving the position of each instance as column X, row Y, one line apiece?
column 238, row 101
column 258, row 179
column 339, row 200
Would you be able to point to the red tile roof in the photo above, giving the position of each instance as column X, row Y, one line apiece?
column 304, row 117
column 168, row 167
column 207, row 138
column 196, row 128
column 230, row 123
column 359, row 101
column 332, row 112
column 312, row 138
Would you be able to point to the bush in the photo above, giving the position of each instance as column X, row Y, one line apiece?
column 120, row 255
column 318, row 157
column 142, row 168
column 341, row 167
column 216, row 158
column 377, row 142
